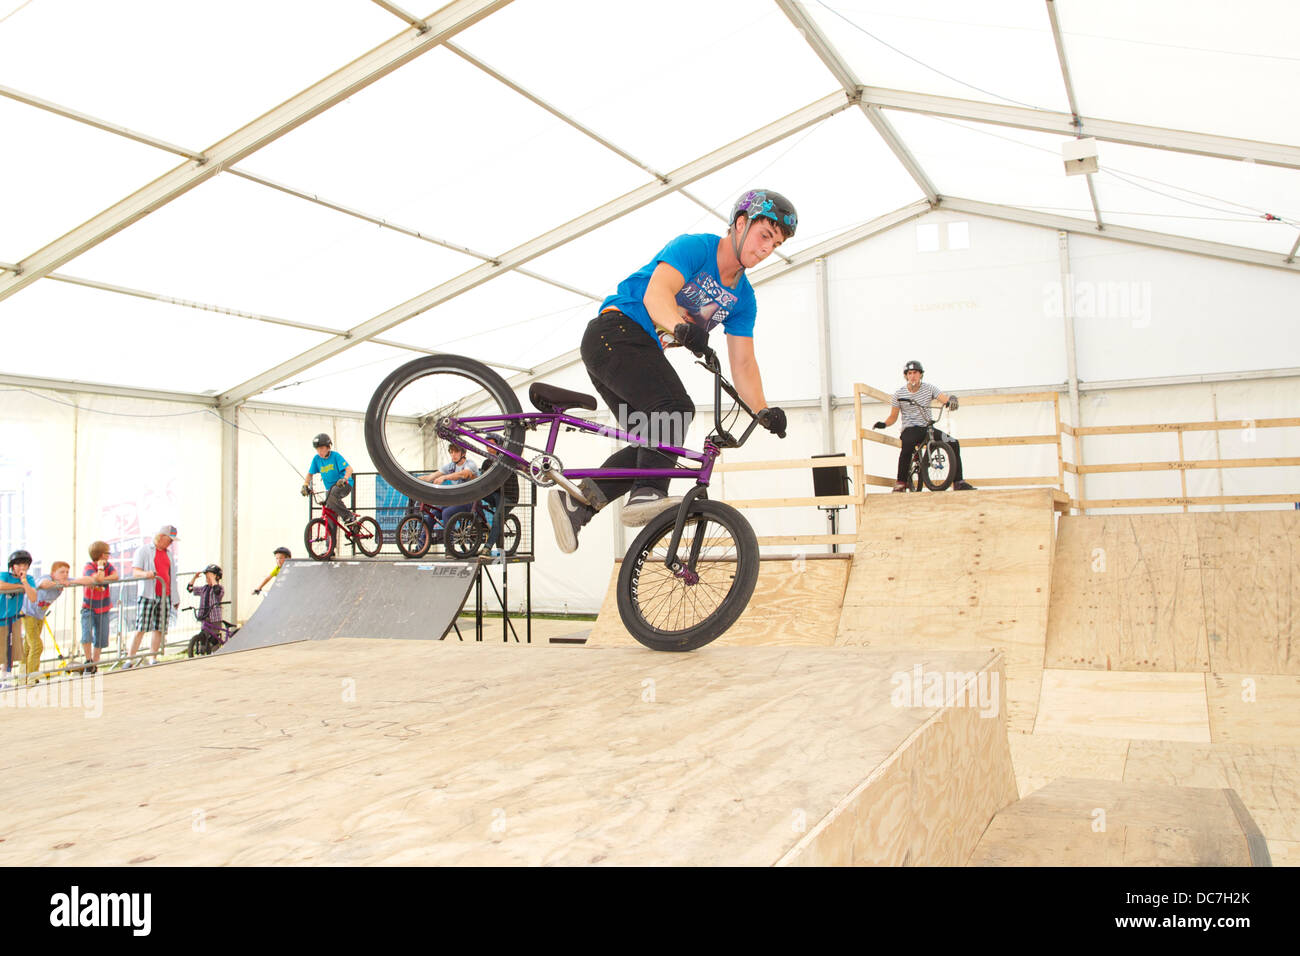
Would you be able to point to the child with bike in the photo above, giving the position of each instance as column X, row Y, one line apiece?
column 692, row 285
column 336, row 475
column 210, row 595
column 914, row 399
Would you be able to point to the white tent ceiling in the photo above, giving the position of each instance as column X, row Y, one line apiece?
column 201, row 199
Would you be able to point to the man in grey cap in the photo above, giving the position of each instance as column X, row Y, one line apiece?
column 153, row 563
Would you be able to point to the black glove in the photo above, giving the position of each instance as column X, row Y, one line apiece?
column 879, row 425
column 258, row 591
column 952, row 402
column 692, row 336
column 773, row 419
column 305, row 491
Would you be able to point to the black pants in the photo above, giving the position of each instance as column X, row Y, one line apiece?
column 499, row 515
column 632, row 375
column 915, row 435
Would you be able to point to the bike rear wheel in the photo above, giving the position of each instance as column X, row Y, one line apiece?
column 510, row 536
column 319, row 539
column 938, row 465
column 413, row 536
column 466, row 402
column 463, row 535
column 668, row 611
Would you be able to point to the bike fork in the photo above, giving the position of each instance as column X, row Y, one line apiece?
column 686, row 571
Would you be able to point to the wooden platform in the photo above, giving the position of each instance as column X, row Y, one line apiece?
column 1177, row 593
column 401, row 752
column 957, row 571
column 1076, row 822
column 796, row 603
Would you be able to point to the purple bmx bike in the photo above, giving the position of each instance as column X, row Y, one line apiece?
column 690, row 572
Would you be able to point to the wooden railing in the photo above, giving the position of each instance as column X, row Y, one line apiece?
column 852, row 461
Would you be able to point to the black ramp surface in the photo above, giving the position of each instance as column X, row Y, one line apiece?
column 318, row 600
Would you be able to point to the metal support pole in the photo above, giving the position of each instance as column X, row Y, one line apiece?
column 230, row 505
column 1071, row 358
column 824, row 353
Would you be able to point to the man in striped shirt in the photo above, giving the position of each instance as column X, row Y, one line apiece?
column 916, row 418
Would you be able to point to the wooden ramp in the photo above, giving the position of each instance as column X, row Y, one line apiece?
column 957, row 571
column 1102, row 823
column 352, row 752
column 796, row 602
column 1177, row 593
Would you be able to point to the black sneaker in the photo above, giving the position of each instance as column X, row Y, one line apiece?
column 644, row 504
column 963, row 486
column 899, row 487
column 567, row 517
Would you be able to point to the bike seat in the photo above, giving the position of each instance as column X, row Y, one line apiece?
column 552, row 398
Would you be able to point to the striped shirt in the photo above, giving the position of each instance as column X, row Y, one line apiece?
column 917, row 415
column 97, row 599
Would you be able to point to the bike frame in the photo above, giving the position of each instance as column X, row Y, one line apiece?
column 482, row 433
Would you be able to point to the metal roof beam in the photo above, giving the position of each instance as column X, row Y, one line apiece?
column 97, row 123
column 511, row 260
column 845, row 77
column 292, row 113
column 1142, row 237
column 1049, row 121
column 1069, row 95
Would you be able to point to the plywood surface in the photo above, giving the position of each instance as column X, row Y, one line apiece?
column 1074, row 822
column 1189, row 593
column 400, row 752
column 1124, row 705
column 1254, row 709
column 1041, row 758
column 796, row 602
column 959, row 570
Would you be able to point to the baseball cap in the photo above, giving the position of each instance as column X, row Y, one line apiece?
column 169, row 530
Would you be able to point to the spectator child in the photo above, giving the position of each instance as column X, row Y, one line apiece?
column 281, row 555
column 14, row 584
column 96, row 602
column 48, row 590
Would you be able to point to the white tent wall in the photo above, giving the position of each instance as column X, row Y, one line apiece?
column 1146, row 313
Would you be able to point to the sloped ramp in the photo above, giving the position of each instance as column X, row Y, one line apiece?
column 1106, row 823
column 1205, row 593
column 320, row 600
column 957, row 571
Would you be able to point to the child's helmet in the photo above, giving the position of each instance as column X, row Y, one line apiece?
column 913, row 366
column 284, row 551
column 321, row 439
column 20, row 557
column 767, row 204
column 213, row 569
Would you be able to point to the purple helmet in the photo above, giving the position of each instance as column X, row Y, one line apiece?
column 767, row 204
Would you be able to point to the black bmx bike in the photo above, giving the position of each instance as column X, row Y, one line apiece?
column 934, row 463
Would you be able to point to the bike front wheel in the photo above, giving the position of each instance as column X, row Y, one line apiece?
column 414, row 536
column 463, row 535
column 465, row 402
column 510, row 536
column 319, row 539
column 938, row 465
column 368, row 537
column 686, row 609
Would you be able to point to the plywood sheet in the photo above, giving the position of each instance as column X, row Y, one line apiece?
column 1267, row 778
column 1040, row 759
column 1255, row 709
column 1250, row 568
column 1124, row 705
column 404, row 752
column 1126, row 595
column 1191, row 592
column 796, row 603
column 1074, row 822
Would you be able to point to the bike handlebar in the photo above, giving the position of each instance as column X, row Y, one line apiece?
column 708, row 359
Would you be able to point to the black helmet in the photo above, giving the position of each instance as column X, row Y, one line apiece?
column 20, row 557
column 767, row 204
column 321, row 439
column 913, row 366
column 213, row 569
column 284, row 551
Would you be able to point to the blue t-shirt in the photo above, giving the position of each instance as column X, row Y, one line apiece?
column 706, row 300
column 330, row 469
column 11, row 602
